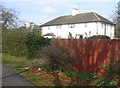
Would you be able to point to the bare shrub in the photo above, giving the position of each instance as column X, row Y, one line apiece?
column 59, row 58
column 113, row 70
column 39, row 63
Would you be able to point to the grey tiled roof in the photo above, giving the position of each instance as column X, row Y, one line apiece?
column 79, row 18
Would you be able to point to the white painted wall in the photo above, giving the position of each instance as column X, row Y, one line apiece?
column 109, row 29
column 27, row 24
column 93, row 28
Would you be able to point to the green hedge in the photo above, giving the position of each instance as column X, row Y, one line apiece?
column 13, row 42
column 22, row 42
column 34, row 43
column 99, row 37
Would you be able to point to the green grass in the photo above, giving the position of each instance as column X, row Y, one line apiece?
column 38, row 80
column 18, row 64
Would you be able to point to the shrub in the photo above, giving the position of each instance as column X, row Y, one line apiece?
column 23, row 42
column 99, row 37
column 13, row 42
column 59, row 58
column 113, row 70
column 40, row 63
column 34, row 43
column 83, row 76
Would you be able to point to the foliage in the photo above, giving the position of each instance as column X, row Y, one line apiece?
column 45, row 78
column 40, row 63
column 13, row 42
column 99, row 37
column 83, row 76
column 116, row 18
column 59, row 58
column 117, row 30
column 23, row 42
column 9, row 17
column 90, row 78
column 113, row 70
column 70, row 35
column 34, row 43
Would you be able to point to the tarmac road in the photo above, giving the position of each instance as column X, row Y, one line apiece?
column 13, row 80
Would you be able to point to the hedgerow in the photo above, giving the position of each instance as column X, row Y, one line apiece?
column 23, row 43
column 34, row 43
column 99, row 37
column 13, row 42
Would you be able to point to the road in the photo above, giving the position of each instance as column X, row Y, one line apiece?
column 13, row 80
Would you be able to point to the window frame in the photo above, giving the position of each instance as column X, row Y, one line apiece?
column 71, row 25
column 58, row 26
column 85, row 25
column 48, row 27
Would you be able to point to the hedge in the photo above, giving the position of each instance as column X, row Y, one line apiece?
column 13, row 42
column 22, row 42
column 34, row 43
column 99, row 37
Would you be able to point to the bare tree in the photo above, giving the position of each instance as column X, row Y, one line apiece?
column 116, row 19
column 8, row 17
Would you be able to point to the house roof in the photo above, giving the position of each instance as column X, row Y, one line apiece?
column 79, row 18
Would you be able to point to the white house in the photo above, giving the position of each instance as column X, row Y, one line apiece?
column 78, row 25
column 31, row 25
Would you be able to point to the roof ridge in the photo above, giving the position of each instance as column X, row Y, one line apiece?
column 79, row 18
column 84, row 13
column 96, row 16
column 77, row 14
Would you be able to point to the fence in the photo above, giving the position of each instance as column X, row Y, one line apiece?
column 91, row 55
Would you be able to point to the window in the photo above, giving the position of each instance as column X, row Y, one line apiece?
column 85, row 24
column 102, row 25
column 79, row 36
column 110, row 26
column 71, row 26
column 58, row 26
column 48, row 27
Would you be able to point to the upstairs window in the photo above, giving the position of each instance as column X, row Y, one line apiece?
column 58, row 26
column 102, row 25
column 85, row 25
column 48, row 27
column 71, row 26
column 110, row 26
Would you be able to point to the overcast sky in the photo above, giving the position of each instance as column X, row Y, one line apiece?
column 41, row 11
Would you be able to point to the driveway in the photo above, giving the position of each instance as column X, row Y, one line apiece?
column 13, row 80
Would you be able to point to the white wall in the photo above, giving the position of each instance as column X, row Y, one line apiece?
column 110, row 31
column 108, row 27
column 93, row 28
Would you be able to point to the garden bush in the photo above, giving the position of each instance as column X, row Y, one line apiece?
column 99, row 37
column 59, row 58
column 39, row 63
column 113, row 70
column 13, row 42
column 34, row 43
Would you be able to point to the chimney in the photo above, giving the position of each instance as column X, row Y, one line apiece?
column 75, row 11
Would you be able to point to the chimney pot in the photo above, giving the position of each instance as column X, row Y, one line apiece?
column 75, row 12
